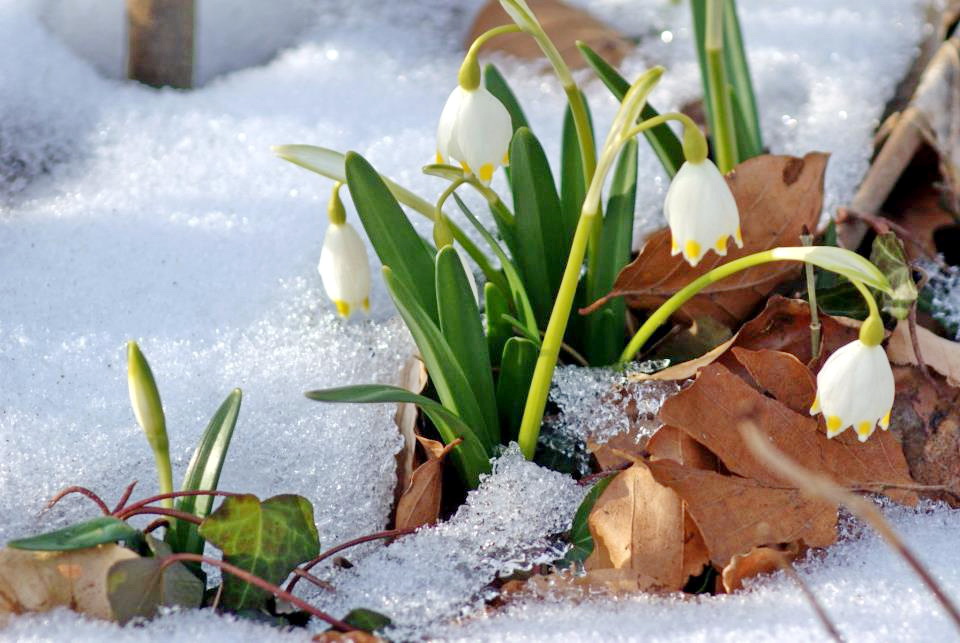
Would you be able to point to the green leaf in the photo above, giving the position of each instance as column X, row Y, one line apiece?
column 443, row 171
column 203, row 474
column 366, row 620
column 393, row 237
column 101, row 530
column 448, row 378
column 518, row 291
column 471, row 457
column 572, row 185
column 266, row 538
column 497, row 85
column 138, row 587
column 606, row 328
column 749, row 139
column 661, row 138
column 462, row 327
column 542, row 247
column 889, row 256
column 495, row 305
column 516, row 372
column 580, row 538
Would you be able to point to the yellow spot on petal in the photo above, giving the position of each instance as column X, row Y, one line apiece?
column 816, row 406
column 834, row 423
column 674, row 246
column 486, row 172
column 466, row 168
column 506, row 159
column 885, row 421
column 864, row 429
column 343, row 308
column 692, row 250
column 366, row 304
column 722, row 244
column 738, row 236
column 439, row 157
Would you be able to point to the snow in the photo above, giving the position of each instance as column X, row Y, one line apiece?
column 160, row 215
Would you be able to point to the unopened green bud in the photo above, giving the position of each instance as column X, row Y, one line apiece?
column 145, row 400
column 694, row 144
column 335, row 210
column 470, row 74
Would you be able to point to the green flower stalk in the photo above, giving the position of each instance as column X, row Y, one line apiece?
column 724, row 136
column 586, row 233
column 145, row 400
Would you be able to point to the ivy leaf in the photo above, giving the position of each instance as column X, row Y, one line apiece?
column 138, row 586
column 366, row 620
column 580, row 538
column 889, row 256
column 266, row 538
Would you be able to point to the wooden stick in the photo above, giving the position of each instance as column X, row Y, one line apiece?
column 160, row 42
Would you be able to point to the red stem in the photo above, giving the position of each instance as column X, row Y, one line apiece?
column 83, row 491
column 161, row 511
column 156, row 524
column 174, row 494
column 247, row 577
column 124, row 497
column 350, row 543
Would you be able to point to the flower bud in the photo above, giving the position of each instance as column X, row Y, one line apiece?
column 145, row 400
column 344, row 269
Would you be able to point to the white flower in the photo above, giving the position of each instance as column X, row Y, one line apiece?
column 855, row 388
column 344, row 269
column 701, row 212
column 475, row 130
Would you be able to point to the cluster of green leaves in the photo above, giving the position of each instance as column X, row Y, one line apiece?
column 481, row 373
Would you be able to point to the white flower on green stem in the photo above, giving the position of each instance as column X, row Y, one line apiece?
column 855, row 389
column 344, row 269
column 474, row 130
column 701, row 212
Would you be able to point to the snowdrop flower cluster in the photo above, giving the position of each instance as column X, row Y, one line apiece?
column 343, row 261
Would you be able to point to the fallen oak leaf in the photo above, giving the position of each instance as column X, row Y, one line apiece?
column 940, row 354
column 782, row 375
column 776, row 196
column 420, row 503
column 759, row 560
column 718, row 400
column 39, row 581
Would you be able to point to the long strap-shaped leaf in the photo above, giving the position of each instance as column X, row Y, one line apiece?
column 749, row 139
column 470, row 456
column 203, row 473
column 518, row 292
column 448, row 378
column 393, row 237
column 462, row 328
column 661, row 138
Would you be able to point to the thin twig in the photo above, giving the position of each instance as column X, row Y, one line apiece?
column 819, row 486
column 391, row 533
column 319, row 582
column 882, row 225
column 162, row 511
column 247, row 577
column 156, row 524
column 915, row 344
column 173, row 494
column 83, row 491
column 811, row 598
column 123, row 498
column 807, row 240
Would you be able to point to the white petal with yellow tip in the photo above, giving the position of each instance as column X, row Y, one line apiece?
column 855, row 389
column 344, row 269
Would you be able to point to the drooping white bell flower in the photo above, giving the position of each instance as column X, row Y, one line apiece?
column 344, row 269
column 855, row 389
column 701, row 212
column 475, row 130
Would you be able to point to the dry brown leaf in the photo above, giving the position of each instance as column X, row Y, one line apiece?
column 613, row 454
column 34, row 581
column 564, row 24
column 420, row 503
column 714, row 405
column 940, row 354
column 413, row 377
column 760, row 560
column 780, row 374
column 356, row 636
column 736, row 514
column 927, row 419
column 776, row 196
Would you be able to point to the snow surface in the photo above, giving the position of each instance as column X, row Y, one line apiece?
column 128, row 212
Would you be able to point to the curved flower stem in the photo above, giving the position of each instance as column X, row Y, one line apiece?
column 663, row 313
column 724, row 141
column 83, row 491
column 469, row 76
column 587, row 234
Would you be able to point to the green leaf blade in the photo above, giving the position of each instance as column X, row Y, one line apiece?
column 99, row 531
column 516, row 371
column 580, row 538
